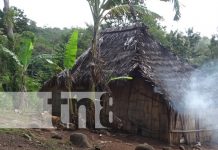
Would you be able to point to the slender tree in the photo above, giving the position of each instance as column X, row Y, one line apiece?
column 99, row 9
column 8, row 20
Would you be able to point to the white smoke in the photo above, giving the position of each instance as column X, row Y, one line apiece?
column 202, row 89
column 201, row 94
column 195, row 94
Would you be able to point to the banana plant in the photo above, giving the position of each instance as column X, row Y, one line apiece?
column 23, row 58
column 69, row 62
column 25, row 55
column 70, row 53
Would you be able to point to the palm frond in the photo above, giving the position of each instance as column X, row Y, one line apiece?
column 117, row 11
column 110, row 4
column 122, row 10
column 142, row 10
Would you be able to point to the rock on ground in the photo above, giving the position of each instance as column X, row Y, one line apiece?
column 144, row 146
column 167, row 148
column 80, row 140
column 55, row 135
column 181, row 147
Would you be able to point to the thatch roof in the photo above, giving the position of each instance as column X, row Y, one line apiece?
column 132, row 51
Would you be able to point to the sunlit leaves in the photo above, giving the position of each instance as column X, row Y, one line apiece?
column 121, row 78
column 71, row 51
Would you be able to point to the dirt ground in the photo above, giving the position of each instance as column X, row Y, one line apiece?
column 40, row 139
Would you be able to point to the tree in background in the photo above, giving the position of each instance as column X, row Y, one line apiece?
column 184, row 44
column 52, row 41
column 22, row 60
column 214, row 47
column 193, row 39
column 21, row 22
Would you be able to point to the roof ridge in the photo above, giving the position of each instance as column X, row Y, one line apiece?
column 125, row 28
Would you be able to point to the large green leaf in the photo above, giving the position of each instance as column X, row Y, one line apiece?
column 25, row 52
column 71, row 51
column 26, row 48
column 10, row 53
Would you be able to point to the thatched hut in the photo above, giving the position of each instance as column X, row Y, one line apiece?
column 151, row 104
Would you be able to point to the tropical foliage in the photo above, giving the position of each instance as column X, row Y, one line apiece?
column 25, row 67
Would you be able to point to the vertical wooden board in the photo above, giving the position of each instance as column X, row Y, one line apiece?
column 146, row 107
column 177, row 124
column 140, row 110
column 147, row 121
column 155, row 113
column 123, row 109
column 163, row 108
column 155, row 103
column 164, row 126
column 163, row 123
column 147, row 90
column 149, row 103
column 155, row 124
column 115, row 104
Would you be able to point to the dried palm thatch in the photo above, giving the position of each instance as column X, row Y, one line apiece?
column 131, row 51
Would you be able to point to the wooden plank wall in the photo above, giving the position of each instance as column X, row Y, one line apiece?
column 188, row 127
column 141, row 110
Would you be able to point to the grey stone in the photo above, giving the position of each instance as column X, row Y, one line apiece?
column 167, row 148
column 80, row 140
column 144, row 146
column 55, row 135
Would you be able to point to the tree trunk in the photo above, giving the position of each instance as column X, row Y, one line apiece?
column 132, row 11
column 8, row 21
column 94, row 55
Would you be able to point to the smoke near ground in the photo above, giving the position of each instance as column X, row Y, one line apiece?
column 195, row 93
column 201, row 96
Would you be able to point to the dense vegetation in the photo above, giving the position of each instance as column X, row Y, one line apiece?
column 45, row 44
